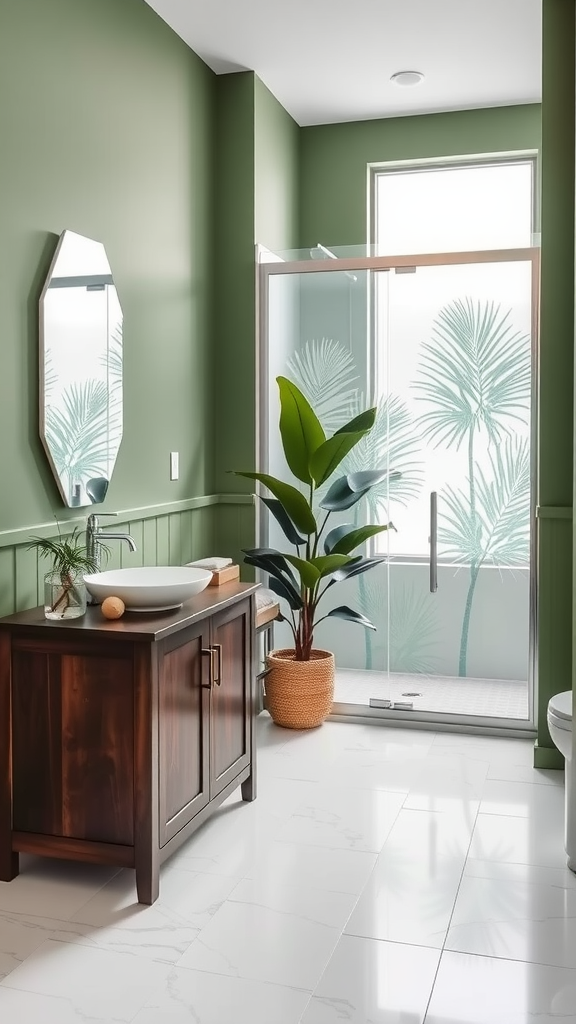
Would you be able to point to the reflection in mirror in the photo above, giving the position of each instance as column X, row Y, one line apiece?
column 81, row 369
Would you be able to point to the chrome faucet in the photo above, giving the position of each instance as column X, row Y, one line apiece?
column 95, row 536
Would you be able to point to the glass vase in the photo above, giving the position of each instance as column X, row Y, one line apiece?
column 64, row 595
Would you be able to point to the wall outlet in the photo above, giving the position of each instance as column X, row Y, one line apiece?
column 174, row 465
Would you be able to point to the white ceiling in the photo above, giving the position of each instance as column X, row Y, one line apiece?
column 331, row 60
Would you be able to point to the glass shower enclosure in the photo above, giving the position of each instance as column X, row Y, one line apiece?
column 445, row 346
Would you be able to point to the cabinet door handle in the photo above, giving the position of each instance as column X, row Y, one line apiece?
column 209, row 653
column 217, row 649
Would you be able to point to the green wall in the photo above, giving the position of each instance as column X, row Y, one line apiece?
column 256, row 168
column 106, row 122
column 334, row 178
column 276, row 172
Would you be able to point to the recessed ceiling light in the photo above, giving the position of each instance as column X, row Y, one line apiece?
column 407, row 77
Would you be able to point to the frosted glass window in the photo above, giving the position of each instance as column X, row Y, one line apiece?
column 454, row 209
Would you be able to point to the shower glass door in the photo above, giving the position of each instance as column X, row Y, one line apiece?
column 444, row 347
column 453, row 363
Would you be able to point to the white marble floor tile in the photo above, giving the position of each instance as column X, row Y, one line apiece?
column 306, row 902
column 370, row 769
column 561, row 878
column 343, row 819
column 515, row 920
column 277, row 798
column 487, row 748
column 544, row 804
column 525, row 773
column 411, row 892
column 227, row 844
column 390, row 742
column 95, row 983
column 33, row 1008
column 451, row 782
column 289, row 763
column 483, row 990
column 52, row 888
column 286, row 938
column 518, row 840
column 113, row 919
column 371, row 982
column 196, row 997
column 19, row 937
column 319, row 867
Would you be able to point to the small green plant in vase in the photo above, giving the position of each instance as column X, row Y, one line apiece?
column 322, row 557
column 64, row 587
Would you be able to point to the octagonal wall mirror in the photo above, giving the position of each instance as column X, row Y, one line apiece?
column 81, row 369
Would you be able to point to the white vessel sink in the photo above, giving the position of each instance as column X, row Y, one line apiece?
column 148, row 588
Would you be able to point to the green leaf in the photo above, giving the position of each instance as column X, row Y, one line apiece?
column 280, row 588
column 344, row 612
column 349, row 489
column 309, row 574
column 272, row 562
column 369, row 477
column 329, row 455
column 328, row 563
column 295, row 504
column 343, row 539
column 340, row 496
column 300, row 429
column 354, row 568
column 361, row 423
column 279, row 512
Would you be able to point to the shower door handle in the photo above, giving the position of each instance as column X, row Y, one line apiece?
column 433, row 542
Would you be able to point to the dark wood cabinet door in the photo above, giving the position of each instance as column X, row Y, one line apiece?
column 184, row 707
column 230, row 695
column 73, row 743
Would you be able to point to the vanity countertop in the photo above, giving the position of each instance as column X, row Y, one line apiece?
column 144, row 626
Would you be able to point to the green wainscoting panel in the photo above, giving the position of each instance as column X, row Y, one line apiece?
column 554, row 622
column 236, row 529
column 169, row 538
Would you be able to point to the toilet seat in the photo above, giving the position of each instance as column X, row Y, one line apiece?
column 560, row 708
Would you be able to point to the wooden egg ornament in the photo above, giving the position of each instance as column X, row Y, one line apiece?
column 113, row 607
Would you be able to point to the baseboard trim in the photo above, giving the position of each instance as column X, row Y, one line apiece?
column 547, row 757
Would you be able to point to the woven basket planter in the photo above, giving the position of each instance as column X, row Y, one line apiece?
column 299, row 694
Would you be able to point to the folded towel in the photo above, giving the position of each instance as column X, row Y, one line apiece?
column 211, row 563
column 265, row 598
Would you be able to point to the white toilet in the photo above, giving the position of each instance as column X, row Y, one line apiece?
column 560, row 726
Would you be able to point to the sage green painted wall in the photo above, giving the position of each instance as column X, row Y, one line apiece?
column 276, row 172
column 106, row 122
column 334, row 158
column 256, row 161
column 555, row 590
column 233, row 268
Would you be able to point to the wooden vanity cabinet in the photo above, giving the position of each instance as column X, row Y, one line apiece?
column 118, row 739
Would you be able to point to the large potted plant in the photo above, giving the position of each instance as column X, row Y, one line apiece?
column 300, row 680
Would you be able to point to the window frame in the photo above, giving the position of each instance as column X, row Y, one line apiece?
column 376, row 169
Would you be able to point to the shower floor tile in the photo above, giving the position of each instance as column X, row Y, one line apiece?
column 497, row 698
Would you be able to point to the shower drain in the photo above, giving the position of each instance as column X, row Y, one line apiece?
column 409, row 693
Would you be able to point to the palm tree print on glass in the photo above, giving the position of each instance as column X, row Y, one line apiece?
column 474, row 376
column 409, row 645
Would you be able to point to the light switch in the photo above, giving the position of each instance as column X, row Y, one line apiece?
column 174, row 465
